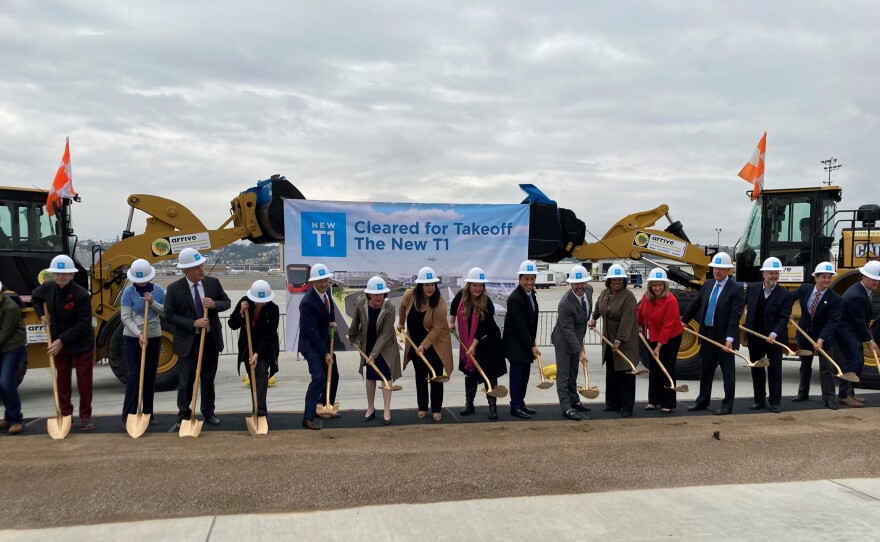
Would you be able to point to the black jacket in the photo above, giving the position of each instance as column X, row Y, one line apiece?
column 824, row 324
column 855, row 315
column 777, row 310
column 520, row 327
column 264, row 333
column 488, row 352
column 180, row 312
column 728, row 311
column 70, row 315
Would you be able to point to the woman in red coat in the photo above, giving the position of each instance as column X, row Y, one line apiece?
column 658, row 312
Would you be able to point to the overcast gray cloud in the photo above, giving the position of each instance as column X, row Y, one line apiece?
column 610, row 108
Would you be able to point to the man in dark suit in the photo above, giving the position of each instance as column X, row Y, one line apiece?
column 855, row 319
column 574, row 311
column 820, row 316
column 719, row 308
column 769, row 308
column 520, row 330
column 192, row 306
column 316, row 316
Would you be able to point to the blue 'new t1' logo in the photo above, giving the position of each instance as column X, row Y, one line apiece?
column 323, row 234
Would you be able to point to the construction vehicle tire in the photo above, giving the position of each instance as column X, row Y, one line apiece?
column 687, row 366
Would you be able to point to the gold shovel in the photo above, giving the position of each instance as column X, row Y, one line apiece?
column 256, row 425
column 586, row 390
column 849, row 377
column 136, row 424
column 788, row 350
column 543, row 384
column 193, row 426
column 327, row 410
column 671, row 386
column 385, row 384
column 433, row 378
column 763, row 362
column 59, row 426
column 497, row 391
column 634, row 371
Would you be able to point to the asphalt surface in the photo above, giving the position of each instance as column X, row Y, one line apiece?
column 98, row 478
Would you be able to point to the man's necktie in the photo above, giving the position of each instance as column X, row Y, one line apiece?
column 200, row 309
column 584, row 303
column 327, row 303
column 710, row 310
column 815, row 304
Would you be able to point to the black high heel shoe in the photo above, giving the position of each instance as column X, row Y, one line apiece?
column 371, row 417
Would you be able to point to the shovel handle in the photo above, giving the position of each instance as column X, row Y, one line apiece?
column 371, row 364
column 816, row 346
column 657, row 359
column 584, row 363
column 406, row 336
column 140, row 409
column 52, row 363
column 768, row 339
column 476, row 363
column 749, row 362
column 611, row 345
column 540, row 367
column 247, row 326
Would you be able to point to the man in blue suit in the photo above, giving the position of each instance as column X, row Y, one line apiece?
column 820, row 316
column 769, row 310
column 718, row 308
column 520, row 330
column 316, row 316
column 855, row 319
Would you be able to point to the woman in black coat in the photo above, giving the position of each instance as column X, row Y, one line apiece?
column 263, row 316
column 473, row 314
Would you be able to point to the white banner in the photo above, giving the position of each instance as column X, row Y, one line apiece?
column 395, row 240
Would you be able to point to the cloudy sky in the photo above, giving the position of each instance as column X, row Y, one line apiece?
column 610, row 108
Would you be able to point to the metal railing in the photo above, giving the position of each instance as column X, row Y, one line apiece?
column 546, row 321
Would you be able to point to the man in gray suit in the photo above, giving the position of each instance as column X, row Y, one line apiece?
column 568, row 339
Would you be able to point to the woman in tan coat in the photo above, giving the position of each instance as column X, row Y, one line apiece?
column 372, row 330
column 617, row 307
column 423, row 313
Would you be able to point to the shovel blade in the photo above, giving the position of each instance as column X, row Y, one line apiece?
column 589, row 393
column 136, row 424
column 59, row 427
column 763, row 362
column 805, row 353
column 640, row 372
column 497, row 391
column 262, row 425
column 544, row 385
column 251, row 426
column 849, row 377
column 190, row 428
column 680, row 388
column 328, row 412
column 394, row 387
column 441, row 379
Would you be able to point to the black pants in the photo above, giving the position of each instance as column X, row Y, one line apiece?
column 826, row 378
column 132, row 348
column 334, row 383
column 422, row 374
column 712, row 357
column 261, row 376
column 472, row 387
column 658, row 393
column 206, row 379
column 772, row 375
column 519, row 382
column 620, row 386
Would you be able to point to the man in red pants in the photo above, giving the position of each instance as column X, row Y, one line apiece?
column 73, row 338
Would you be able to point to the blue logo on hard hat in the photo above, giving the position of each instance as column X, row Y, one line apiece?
column 429, row 275
column 139, row 274
column 482, row 276
column 775, row 264
column 717, row 260
column 197, row 256
column 617, row 271
column 60, row 265
column 578, row 275
column 321, row 272
column 530, row 268
column 380, row 286
column 261, row 295
column 829, row 268
column 658, row 274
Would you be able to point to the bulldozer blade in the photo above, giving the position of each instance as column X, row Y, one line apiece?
column 328, row 412
column 497, row 391
column 849, row 377
column 441, row 379
column 59, row 427
column 190, row 428
column 544, row 385
column 589, row 393
column 136, row 424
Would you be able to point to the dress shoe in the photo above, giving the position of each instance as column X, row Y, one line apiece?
column 758, row 406
column 493, row 412
column 86, row 425
column 370, row 417
column 387, row 422
column 775, row 409
column 722, row 412
column 528, row 410
column 15, row 429
column 580, row 407
column 692, row 408
column 831, row 405
column 859, row 399
column 649, row 406
column 519, row 414
column 851, row 402
column 609, row 409
column 309, row 424
column 212, row 420
column 626, row 414
column 572, row 414
column 153, row 421
column 467, row 410
column 800, row 398
column 4, row 424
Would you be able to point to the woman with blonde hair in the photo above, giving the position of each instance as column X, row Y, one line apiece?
column 659, row 315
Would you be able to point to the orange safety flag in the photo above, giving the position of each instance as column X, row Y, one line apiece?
column 753, row 171
column 62, row 186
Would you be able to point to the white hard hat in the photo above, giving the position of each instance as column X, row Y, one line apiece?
column 260, row 292
column 871, row 270
column 190, row 257
column 528, row 267
column 578, row 274
column 141, row 271
column 426, row 276
column 62, row 264
column 721, row 260
column 658, row 274
column 772, row 264
column 476, row 274
column 824, row 267
column 616, row 272
column 319, row 272
column 376, row 285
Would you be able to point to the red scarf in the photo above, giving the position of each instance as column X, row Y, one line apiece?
column 257, row 310
column 466, row 331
